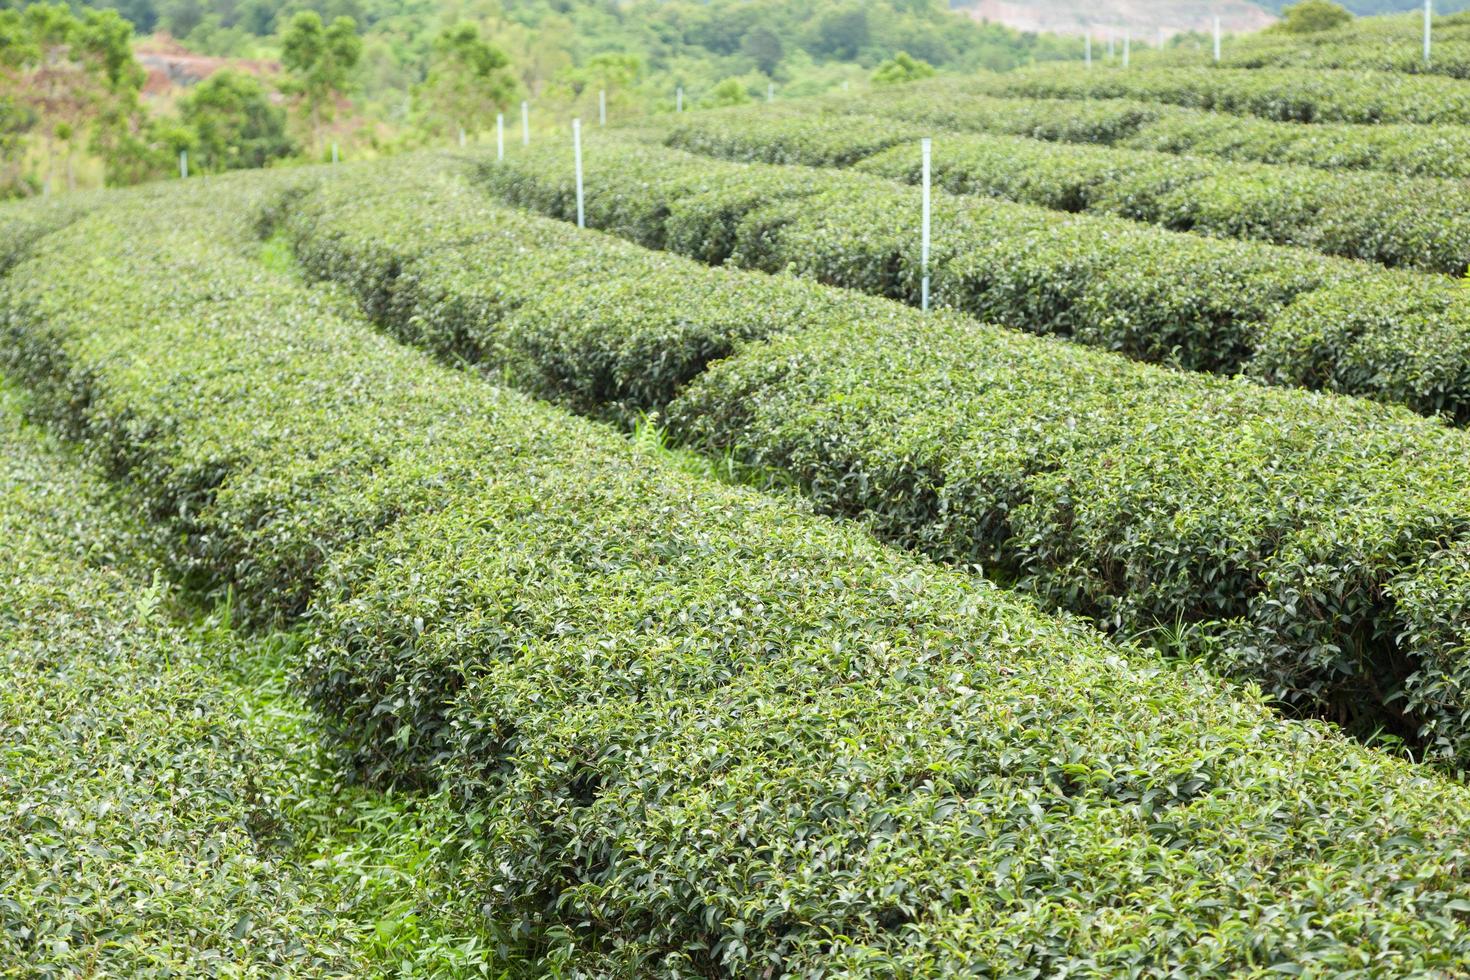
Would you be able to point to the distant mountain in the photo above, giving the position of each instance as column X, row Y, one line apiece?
column 1142, row 18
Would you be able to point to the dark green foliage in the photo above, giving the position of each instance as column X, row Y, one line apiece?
column 1417, row 223
column 901, row 69
column 233, row 124
column 140, row 800
column 955, row 104
column 609, row 328
column 1152, row 294
column 164, row 808
column 22, row 223
column 1392, row 43
column 1065, row 470
column 1272, row 93
column 1402, row 336
column 1312, row 16
column 693, row 730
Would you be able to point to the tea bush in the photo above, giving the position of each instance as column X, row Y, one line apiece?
column 1092, row 482
column 143, row 802
column 1282, row 94
column 1418, row 150
column 1152, row 294
column 1390, row 220
column 691, row 729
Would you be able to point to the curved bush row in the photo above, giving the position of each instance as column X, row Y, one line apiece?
column 1380, row 43
column 1408, row 149
column 1272, row 93
column 693, row 730
column 1053, row 466
column 23, row 222
column 1152, row 294
column 1390, row 220
column 141, row 801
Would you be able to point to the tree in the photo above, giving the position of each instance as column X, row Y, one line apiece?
column 468, row 80
column 763, row 46
column 320, row 61
column 233, row 123
column 70, row 82
column 842, row 34
column 902, row 68
column 1311, row 16
column 728, row 92
column 614, row 74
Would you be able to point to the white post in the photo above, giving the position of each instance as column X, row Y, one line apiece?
column 577, row 155
column 770, row 91
column 602, row 107
column 845, row 85
column 1126, row 37
column 679, row 99
column 1217, row 39
column 525, row 124
column 183, row 163
column 925, row 144
column 500, row 136
column 1161, row 39
column 461, row 136
column 1110, row 44
column 1087, row 47
column 1428, row 12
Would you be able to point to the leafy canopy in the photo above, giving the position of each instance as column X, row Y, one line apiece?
column 1312, row 16
column 901, row 68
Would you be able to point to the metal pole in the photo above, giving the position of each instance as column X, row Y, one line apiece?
column 1217, row 39
column 525, row 124
column 1087, row 47
column 334, row 152
column 770, row 91
column 1428, row 12
column 679, row 99
column 577, row 155
column 925, row 145
column 183, row 164
column 461, row 136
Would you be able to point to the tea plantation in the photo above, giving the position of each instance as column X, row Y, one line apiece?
column 401, row 580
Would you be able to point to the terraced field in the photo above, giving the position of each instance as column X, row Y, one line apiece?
column 402, row 580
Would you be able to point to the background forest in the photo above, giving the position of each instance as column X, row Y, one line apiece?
column 113, row 93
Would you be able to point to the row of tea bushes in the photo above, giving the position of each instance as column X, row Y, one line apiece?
column 1283, row 94
column 1421, row 224
column 142, row 800
column 1061, row 469
column 23, row 222
column 1381, row 43
column 1407, row 149
column 693, row 730
column 1155, row 295
column 574, row 316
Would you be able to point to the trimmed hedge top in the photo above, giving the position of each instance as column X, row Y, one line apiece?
column 1397, row 222
column 695, row 731
column 1283, row 94
column 141, row 798
column 1152, row 294
column 1094, row 482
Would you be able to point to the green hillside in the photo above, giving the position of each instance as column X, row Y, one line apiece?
column 245, row 84
column 654, row 556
